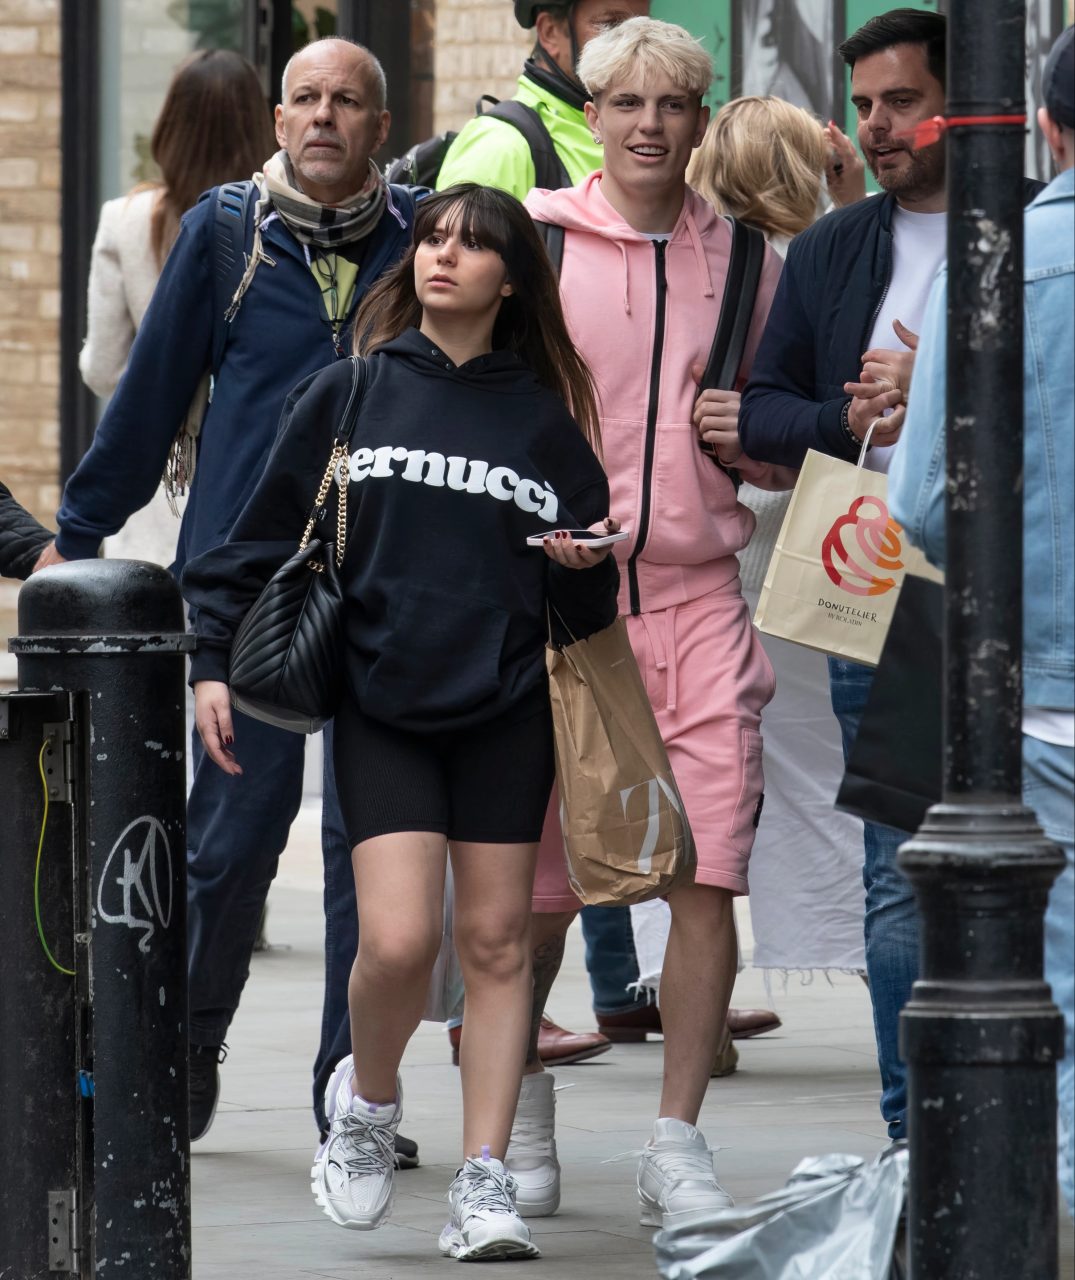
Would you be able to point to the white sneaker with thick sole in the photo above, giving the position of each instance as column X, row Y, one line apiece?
column 676, row 1179
column 531, row 1155
column 354, row 1171
column 485, row 1225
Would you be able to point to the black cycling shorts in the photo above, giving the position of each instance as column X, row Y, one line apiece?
column 488, row 784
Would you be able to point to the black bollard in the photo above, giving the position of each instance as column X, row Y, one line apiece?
column 115, row 628
column 43, row 990
column 980, row 1035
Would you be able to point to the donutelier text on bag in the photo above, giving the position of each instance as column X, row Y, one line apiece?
column 839, row 562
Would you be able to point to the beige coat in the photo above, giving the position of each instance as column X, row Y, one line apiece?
column 123, row 275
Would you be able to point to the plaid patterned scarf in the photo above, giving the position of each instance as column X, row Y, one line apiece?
column 309, row 221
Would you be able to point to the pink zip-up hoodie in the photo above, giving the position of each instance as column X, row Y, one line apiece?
column 641, row 315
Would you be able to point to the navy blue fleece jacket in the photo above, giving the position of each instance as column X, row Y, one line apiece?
column 279, row 336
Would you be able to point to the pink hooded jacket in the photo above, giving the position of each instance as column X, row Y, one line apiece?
column 641, row 329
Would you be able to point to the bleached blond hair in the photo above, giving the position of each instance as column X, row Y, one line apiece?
column 761, row 160
column 641, row 48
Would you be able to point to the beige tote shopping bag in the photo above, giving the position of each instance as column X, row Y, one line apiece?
column 839, row 562
column 626, row 835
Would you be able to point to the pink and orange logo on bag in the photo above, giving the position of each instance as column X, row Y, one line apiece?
column 863, row 546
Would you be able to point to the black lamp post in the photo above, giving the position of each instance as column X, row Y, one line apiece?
column 980, row 1035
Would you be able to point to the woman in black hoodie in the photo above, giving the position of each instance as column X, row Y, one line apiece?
column 464, row 447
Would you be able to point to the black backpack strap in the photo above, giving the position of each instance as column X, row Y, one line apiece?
column 549, row 171
column 736, row 307
column 229, row 256
column 736, row 313
column 552, row 234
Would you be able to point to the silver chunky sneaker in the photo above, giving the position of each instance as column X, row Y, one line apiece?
column 676, row 1179
column 485, row 1225
column 354, row 1171
column 531, row 1155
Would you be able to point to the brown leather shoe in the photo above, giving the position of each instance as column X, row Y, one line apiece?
column 744, row 1023
column 631, row 1027
column 556, row 1046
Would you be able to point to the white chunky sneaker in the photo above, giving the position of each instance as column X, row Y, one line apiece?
column 531, row 1155
column 676, row 1179
column 485, row 1225
column 355, row 1167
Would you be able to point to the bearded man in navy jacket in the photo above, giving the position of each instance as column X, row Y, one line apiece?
column 837, row 353
column 322, row 226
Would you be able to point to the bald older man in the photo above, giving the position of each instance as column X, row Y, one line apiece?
column 322, row 227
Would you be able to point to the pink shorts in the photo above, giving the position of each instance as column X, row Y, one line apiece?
column 708, row 679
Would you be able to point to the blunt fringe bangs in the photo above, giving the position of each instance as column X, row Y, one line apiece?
column 901, row 26
column 641, row 48
column 530, row 322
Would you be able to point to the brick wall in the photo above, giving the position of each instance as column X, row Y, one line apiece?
column 480, row 48
column 29, row 260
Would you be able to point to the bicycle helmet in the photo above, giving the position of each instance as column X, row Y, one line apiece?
column 526, row 11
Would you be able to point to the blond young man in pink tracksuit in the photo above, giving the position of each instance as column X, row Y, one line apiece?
column 644, row 266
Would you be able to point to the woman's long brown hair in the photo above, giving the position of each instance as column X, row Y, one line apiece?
column 213, row 127
column 530, row 321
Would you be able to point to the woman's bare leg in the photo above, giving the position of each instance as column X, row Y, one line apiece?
column 696, row 986
column 493, row 888
column 399, row 881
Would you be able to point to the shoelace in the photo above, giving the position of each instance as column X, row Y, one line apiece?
column 204, row 1060
column 532, row 1134
column 695, row 1156
column 488, row 1189
column 361, row 1148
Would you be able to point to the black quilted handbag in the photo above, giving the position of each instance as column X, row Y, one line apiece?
column 287, row 658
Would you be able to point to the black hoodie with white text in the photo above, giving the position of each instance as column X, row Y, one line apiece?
column 451, row 469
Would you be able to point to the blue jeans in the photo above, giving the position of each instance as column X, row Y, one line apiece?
column 610, row 959
column 236, row 830
column 891, row 922
column 1049, row 789
column 341, row 937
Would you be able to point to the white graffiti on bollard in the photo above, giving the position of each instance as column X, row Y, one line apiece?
column 155, row 859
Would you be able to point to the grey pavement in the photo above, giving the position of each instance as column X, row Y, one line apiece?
column 808, row 1089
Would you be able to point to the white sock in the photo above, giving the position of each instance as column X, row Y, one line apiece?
column 374, row 1110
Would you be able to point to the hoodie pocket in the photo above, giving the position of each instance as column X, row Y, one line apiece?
column 440, row 661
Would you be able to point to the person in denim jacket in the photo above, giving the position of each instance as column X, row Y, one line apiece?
column 917, row 493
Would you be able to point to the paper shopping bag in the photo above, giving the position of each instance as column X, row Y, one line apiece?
column 895, row 767
column 839, row 562
column 626, row 835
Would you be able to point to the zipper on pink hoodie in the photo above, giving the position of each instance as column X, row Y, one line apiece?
column 642, row 312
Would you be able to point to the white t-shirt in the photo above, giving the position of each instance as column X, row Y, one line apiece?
column 1050, row 725
column 919, row 249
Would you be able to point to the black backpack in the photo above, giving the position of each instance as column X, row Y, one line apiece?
column 736, row 307
column 421, row 165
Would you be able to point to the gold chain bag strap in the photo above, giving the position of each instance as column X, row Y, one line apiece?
column 287, row 659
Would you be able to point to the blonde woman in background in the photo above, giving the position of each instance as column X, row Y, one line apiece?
column 767, row 162
column 214, row 126
column 764, row 161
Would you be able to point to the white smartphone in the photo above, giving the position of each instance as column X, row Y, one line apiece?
column 586, row 536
